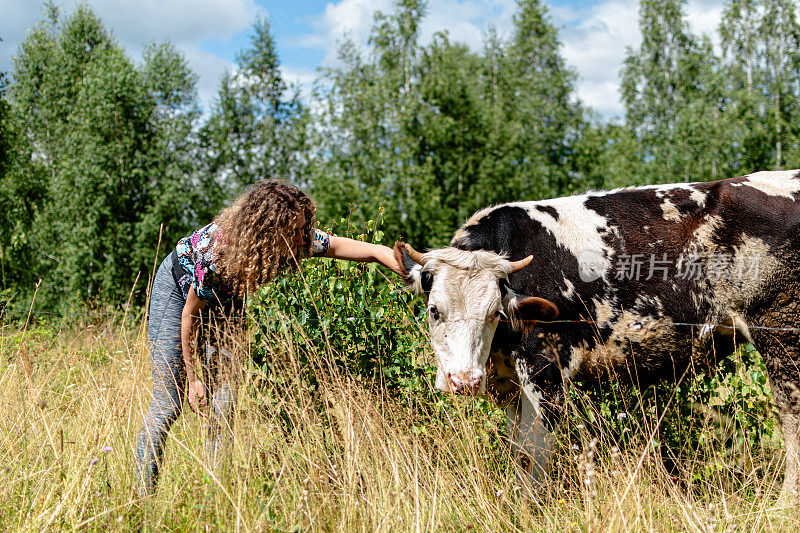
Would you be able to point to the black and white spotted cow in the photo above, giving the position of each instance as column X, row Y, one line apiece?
column 643, row 282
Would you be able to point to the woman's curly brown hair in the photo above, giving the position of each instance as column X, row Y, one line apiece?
column 258, row 233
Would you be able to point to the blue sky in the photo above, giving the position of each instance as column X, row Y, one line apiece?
column 594, row 33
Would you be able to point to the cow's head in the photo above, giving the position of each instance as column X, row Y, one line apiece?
column 467, row 295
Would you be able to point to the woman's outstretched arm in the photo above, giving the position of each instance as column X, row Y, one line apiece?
column 189, row 320
column 352, row 250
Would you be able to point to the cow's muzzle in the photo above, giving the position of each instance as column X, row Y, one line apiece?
column 465, row 382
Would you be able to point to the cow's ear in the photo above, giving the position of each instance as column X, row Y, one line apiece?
column 532, row 308
column 524, row 311
column 418, row 280
column 403, row 259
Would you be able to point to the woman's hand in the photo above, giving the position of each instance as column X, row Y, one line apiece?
column 197, row 397
column 352, row 250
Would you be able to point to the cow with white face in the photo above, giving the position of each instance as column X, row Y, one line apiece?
column 468, row 295
column 642, row 283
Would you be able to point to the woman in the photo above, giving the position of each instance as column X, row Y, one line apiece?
column 266, row 230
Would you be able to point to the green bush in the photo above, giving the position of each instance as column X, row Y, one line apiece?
column 357, row 314
column 715, row 425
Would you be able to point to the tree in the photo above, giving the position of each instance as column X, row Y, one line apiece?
column 668, row 89
column 182, row 196
column 114, row 146
column 255, row 128
column 101, row 190
column 452, row 129
column 367, row 135
column 760, row 57
column 781, row 88
column 544, row 106
column 741, row 64
column 21, row 193
column 433, row 133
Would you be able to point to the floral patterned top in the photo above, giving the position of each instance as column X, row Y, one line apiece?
column 195, row 257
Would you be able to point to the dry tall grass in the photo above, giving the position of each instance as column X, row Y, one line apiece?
column 344, row 456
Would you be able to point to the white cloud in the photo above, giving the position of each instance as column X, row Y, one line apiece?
column 465, row 20
column 704, row 17
column 298, row 75
column 180, row 21
column 593, row 41
column 186, row 23
column 601, row 96
column 209, row 68
column 351, row 18
column 595, row 38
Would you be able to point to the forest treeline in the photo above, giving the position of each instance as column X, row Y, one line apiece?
column 104, row 156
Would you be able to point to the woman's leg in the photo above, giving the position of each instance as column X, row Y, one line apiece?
column 220, row 361
column 164, row 332
column 220, row 429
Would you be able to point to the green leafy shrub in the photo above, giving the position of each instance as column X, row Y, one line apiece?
column 360, row 317
column 714, row 426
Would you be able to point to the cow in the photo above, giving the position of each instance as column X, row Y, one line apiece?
column 643, row 283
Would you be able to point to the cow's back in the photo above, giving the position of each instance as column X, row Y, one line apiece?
column 645, row 277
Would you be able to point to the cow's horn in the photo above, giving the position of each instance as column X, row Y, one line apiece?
column 519, row 265
column 415, row 255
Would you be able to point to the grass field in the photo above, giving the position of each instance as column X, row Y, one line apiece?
column 342, row 456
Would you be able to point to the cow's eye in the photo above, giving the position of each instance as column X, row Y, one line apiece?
column 434, row 312
column 498, row 315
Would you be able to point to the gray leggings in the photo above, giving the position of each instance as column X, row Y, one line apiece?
column 164, row 332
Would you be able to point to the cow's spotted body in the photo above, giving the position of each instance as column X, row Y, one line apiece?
column 742, row 235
